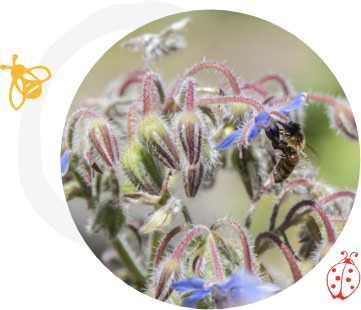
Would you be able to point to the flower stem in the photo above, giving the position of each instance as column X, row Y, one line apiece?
column 76, row 116
column 336, row 195
column 186, row 214
column 277, row 78
column 331, row 235
column 134, row 78
column 180, row 248
column 296, row 272
column 242, row 235
column 215, row 258
column 281, row 198
column 164, row 242
column 128, row 262
column 131, row 121
column 215, row 65
column 156, row 237
column 232, row 99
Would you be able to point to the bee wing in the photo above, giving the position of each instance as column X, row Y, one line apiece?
column 310, row 152
column 16, row 95
column 39, row 73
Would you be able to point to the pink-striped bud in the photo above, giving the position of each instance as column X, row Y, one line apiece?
column 102, row 145
column 190, row 135
column 343, row 120
column 155, row 136
column 192, row 178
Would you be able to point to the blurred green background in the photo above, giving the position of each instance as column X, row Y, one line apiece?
column 251, row 48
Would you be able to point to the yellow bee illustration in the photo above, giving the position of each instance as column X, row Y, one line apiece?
column 26, row 83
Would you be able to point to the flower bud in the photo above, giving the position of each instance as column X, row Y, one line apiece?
column 190, row 135
column 141, row 168
column 192, row 177
column 162, row 217
column 169, row 272
column 343, row 120
column 237, row 111
column 72, row 189
column 109, row 218
column 102, row 144
column 154, row 135
column 211, row 161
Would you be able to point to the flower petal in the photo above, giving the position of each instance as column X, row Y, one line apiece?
column 191, row 300
column 262, row 119
column 299, row 101
column 64, row 162
column 242, row 289
column 189, row 284
column 229, row 140
column 234, row 282
column 253, row 132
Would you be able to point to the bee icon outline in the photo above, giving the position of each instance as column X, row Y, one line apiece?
column 25, row 82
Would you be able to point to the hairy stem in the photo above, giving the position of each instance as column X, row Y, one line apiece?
column 129, row 262
column 165, row 241
column 242, row 236
column 232, row 99
column 217, row 266
column 215, row 65
column 277, row 78
column 296, row 272
column 281, row 197
column 331, row 235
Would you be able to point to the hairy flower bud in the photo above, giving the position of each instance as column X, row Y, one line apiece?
column 169, row 272
column 154, row 135
column 343, row 120
column 210, row 160
column 192, row 177
column 101, row 145
column 109, row 218
column 162, row 217
column 237, row 111
column 141, row 168
column 190, row 135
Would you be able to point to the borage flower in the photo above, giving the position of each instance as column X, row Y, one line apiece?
column 264, row 120
column 64, row 162
column 240, row 289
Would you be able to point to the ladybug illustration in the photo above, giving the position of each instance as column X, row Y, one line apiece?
column 344, row 277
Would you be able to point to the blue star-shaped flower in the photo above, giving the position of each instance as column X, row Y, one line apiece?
column 264, row 120
column 240, row 289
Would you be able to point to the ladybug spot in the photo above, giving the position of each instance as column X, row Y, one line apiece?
column 352, row 287
column 348, row 279
column 333, row 269
column 333, row 286
column 338, row 278
column 350, row 270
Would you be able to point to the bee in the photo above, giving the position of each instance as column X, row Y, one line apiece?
column 25, row 84
column 290, row 141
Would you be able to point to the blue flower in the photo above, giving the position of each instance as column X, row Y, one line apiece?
column 240, row 289
column 64, row 162
column 264, row 120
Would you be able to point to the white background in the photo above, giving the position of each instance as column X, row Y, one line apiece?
column 47, row 266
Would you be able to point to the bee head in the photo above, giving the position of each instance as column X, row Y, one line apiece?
column 291, row 128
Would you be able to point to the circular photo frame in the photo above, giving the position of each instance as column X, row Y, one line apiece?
column 210, row 159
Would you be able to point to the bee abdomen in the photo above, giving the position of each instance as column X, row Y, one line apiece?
column 285, row 166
